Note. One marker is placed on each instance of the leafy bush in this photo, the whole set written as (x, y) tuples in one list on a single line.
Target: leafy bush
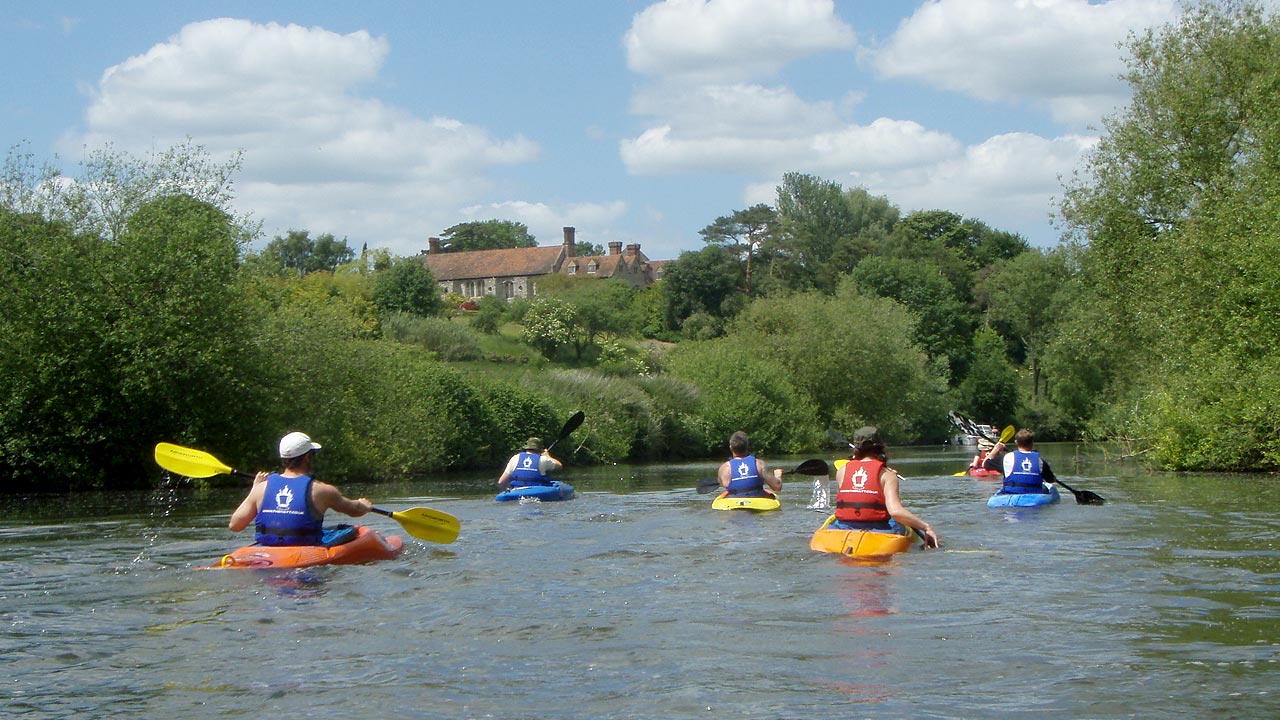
[(447, 339)]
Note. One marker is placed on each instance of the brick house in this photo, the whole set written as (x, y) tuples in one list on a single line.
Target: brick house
[(513, 273)]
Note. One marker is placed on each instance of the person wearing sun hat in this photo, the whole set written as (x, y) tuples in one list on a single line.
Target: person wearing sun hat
[(288, 508), (867, 492), (530, 466)]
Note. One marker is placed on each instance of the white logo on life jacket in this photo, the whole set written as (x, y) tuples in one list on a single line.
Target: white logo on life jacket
[(860, 478), (743, 470), (526, 462), (284, 498), (1026, 464)]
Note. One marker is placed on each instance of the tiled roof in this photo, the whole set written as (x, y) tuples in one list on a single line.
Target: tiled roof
[(517, 262)]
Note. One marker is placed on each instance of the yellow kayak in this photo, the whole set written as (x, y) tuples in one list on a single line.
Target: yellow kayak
[(757, 504), (857, 543)]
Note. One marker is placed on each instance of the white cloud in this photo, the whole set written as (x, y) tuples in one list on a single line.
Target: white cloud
[(1006, 181), (729, 40), (318, 155), (1062, 54)]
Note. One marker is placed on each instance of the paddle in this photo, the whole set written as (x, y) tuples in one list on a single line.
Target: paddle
[(815, 466), (420, 522), (1083, 497), (569, 426)]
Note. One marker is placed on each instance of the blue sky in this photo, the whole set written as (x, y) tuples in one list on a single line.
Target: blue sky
[(640, 122)]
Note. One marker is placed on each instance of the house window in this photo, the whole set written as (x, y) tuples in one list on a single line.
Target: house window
[(573, 270), (591, 269)]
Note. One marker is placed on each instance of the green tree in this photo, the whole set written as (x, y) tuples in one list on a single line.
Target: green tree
[(408, 286), (487, 235), (826, 231), (110, 347), (707, 281), (990, 390), (1022, 296), (298, 254), (743, 233), (854, 358), (946, 322), (1176, 205)]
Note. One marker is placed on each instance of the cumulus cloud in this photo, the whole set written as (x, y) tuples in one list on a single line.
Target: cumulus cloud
[(726, 40), (318, 155), (1062, 54), (1007, 181), (709, 114)]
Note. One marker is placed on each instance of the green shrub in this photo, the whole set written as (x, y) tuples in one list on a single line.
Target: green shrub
[(447, 339)]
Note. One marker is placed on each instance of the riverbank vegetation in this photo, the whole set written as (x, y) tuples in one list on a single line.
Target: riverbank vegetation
[(136, 312)]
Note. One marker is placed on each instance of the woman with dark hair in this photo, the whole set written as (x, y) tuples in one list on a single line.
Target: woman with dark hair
[(867, 492)]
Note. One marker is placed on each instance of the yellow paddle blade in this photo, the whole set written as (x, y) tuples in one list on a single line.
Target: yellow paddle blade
[(1007, 433), (189, 462), (428, 524)]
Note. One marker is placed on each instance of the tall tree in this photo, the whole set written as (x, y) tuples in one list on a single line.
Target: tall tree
[(743, 232), (297, 253), (826, 231), (1177, 206), (708, 281), (487, 235)]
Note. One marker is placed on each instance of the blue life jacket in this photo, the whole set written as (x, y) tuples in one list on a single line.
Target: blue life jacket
[(744, 477), (286, 516), (1024, 475), (528, 471)]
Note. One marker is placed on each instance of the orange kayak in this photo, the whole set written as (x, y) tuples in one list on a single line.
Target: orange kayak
[(857, 543), (368, 545)]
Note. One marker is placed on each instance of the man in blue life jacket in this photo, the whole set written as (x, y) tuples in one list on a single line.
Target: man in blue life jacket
[(744, 475), (1024, 470), (288, 508), (529, 466)]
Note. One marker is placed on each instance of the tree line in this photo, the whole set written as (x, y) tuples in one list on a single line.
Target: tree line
[(136, 312)]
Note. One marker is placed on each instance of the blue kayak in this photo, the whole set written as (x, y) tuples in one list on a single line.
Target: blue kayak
[(1003, 499), (546, 493)]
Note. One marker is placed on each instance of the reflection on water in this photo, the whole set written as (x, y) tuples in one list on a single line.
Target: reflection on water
[(636, 600)]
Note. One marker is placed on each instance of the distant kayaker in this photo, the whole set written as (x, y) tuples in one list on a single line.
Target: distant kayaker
[(984, 452), (1024, 470), (867, 491), (745, 475), (288, 508), (529, 466)]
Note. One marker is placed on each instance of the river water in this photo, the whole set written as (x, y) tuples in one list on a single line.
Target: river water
[(636, 600)]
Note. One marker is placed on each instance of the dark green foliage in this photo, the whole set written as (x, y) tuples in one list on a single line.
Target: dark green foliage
[(741, 391), (487, 235), (298, 254), (1179, 277), (709, 281), (853, 358), (488, 316), (109, 347), (407, 286), (990, 390)]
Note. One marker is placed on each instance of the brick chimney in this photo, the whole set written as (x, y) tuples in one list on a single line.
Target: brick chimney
[(615, 248), (632, 250), (433, 245), (570, 245)]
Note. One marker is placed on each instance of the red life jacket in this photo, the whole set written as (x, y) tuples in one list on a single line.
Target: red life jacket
[(859, 497)]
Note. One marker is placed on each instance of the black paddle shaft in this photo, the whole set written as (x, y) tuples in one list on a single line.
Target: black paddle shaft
[(569, 426)]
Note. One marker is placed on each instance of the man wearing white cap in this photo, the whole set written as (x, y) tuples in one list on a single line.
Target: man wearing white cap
[(288, 507)]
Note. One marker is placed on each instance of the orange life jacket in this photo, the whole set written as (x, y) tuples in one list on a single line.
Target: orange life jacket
[(859, 497)]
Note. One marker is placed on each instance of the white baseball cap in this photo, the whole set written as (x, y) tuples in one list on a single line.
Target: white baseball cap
[(295, 444)]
